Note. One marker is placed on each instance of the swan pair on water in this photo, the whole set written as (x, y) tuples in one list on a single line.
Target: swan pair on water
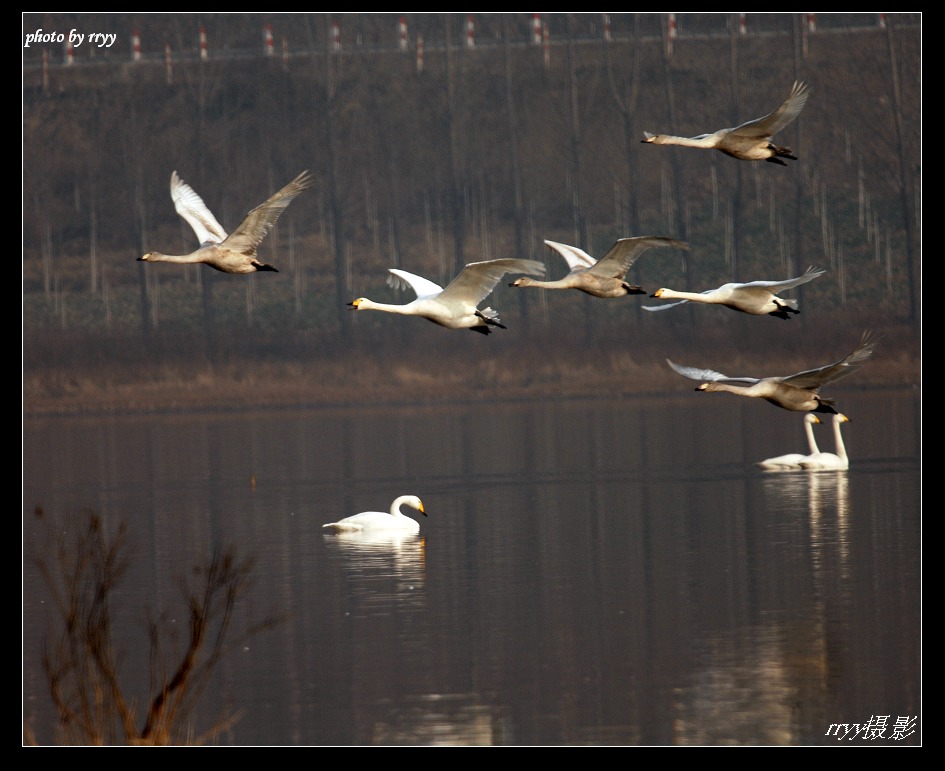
[(815, 460)]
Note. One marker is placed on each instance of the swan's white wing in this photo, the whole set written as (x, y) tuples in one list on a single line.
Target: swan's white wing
[(790, 283), (191, 207), (771, 124), (664, 307), (694, 373), (401, 279), (625, 252), (478, 279), (831, 373), (577, 259), (259, 221)]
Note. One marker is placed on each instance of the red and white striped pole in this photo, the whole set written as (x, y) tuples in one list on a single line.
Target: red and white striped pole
[(671, 34), (402, 32), (204, 54), (607, 33), (742, 24), (267, 40), (470, 32), (335, 36), (70, 54), (812, 22), (419, 53), (135, 46), (882, 21), (169, 68), (536, 29)]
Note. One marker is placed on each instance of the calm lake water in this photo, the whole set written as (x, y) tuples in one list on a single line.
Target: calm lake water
[(590, 573)]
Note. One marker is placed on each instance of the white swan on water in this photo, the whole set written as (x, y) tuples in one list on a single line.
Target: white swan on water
[(750, 141), (792, 460), (379, 521), (830, 460), (234, 252)]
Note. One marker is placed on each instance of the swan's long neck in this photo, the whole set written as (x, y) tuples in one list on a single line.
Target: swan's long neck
[(838, 438), (370, 305), (672, 294), (811, 442), (181, 258), (709, 140), (395, 506), (561, 283)]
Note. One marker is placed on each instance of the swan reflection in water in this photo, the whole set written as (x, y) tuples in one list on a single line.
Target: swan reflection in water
[(752, 680), (381, 567)]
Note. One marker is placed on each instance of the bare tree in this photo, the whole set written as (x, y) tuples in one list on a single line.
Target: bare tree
[(83, 566)]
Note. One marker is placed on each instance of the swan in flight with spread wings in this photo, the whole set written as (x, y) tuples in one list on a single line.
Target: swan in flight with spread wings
[(792, 460), (454, 307), (605, 277), (376, 521), (236, 252), (799, 392), (838, 461), (758, 298), (750, 141)]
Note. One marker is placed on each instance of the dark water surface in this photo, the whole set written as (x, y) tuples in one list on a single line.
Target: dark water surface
[(589, 572)]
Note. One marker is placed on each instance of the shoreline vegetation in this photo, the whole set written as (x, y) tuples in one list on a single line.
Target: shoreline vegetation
[(446, 368)]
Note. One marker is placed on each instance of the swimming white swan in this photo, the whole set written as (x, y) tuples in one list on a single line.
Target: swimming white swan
[(798, 392), (236, 252), (374, 521), (829, 460), (750, 141), (758, 298), (605, 277), (455, 306), (792, 460)]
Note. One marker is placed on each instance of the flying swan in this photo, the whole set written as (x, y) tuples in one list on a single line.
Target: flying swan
[(606, 277), (750, 141), (798, 392), (236, 252), (758, 298), (456, 306), (839, 461), (375, 521), (792, 460)]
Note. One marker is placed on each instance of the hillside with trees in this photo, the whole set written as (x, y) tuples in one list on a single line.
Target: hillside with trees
[(454, 139)]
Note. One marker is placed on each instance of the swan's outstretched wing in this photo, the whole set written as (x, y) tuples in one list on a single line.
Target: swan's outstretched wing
[(401, 279), (577, 259), (789, 283), (478, 279), (664, 307), (706, 375), (191, 207), (831, 373), (259, 221), (624, 253), (771, 124)]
